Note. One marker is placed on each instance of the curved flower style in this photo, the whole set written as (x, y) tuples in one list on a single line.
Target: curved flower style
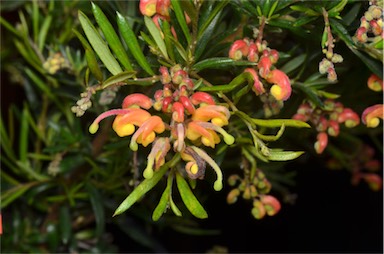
[(371, 115), (238, 49), (257, 85), (132, 115), (281, 89)]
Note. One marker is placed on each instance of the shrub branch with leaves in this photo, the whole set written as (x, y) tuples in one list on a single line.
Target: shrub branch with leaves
[(199, 91)]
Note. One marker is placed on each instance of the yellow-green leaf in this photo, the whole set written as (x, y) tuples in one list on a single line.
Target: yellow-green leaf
[(272, 123), (111, 37), (118, 78), (189, 199), (99, 45)]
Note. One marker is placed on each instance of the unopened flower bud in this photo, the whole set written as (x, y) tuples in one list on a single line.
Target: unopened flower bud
[(321, 143), (232, 196)]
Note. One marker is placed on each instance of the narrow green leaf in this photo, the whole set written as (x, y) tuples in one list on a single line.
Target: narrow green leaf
[(168, 36), (35, 20), (311, 93), (206, 37), (220, 63), (145, 186), (10, 27), (219, 7), (304, 9), (294, 63), (271, 137), (338, 8), (266, 7), (23, 142), (6, 142), (179, 48), (90, 57), (161, 206), (273, 123), (273, 8), (93, 65), (99, 45), (174, 208), (156, 35), (10, 195), (43, 86), (118, 78), (44, 31), (132, 43), (240, 79), (97, 207), (190, 9), (275, 155), (111, 37), (189, 198), (181, 19), (65, 225)]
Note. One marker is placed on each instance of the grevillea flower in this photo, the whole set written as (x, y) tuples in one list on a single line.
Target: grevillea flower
[(271, 204), (257, 85), (147, 132), (321, 143), (148, 7), (264, 66), (281, 89), (162, 7), (371, 115), (375, 83), (195, 166), (156, 157), (218, 115), (207, 133), (258, 210), (349, 117), (238, 49)]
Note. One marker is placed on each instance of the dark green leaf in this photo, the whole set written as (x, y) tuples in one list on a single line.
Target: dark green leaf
[(132, 43), (208, 22), (97, 207), (219, 63), (65, 225), (179, 12), (293, 64)]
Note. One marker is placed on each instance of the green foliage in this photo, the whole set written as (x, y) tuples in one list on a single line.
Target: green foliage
[(62, 186)]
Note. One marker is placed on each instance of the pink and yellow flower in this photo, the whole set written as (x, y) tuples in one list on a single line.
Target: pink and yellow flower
[(371, 115)]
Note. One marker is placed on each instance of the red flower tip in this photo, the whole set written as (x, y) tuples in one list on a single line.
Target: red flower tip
[(238, 49), (375, 83), (321, 143), (137, 99)]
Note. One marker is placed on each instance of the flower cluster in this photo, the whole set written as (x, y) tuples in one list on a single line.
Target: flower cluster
[(256, 189), (55, 62), (265, 58), (364, 167), (192, 118), (326, 65), (371, 25), (327, 121), (371, 115)]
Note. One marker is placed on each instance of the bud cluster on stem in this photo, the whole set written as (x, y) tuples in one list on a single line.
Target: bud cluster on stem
[(265, 58), (326, 120)]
